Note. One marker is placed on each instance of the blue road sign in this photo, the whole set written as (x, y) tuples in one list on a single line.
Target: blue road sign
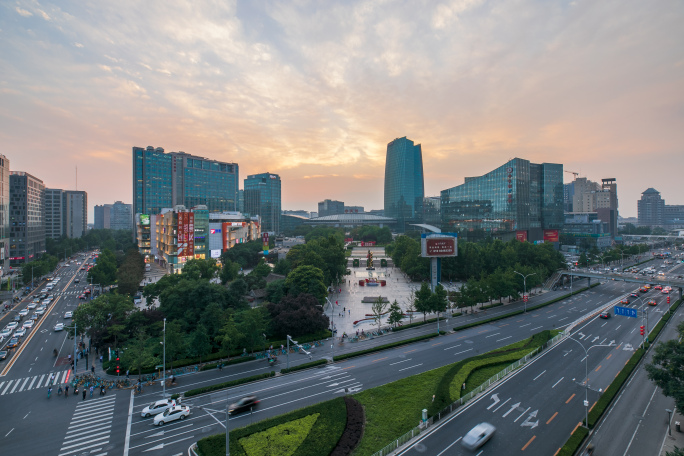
[(625, 312)]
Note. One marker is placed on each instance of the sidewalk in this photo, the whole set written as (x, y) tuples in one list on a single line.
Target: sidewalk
[(677, 438)]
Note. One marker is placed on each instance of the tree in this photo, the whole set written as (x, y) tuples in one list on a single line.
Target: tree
[(438, 299), (411, 304), (252, 324), (276, 290), (297, 316), (230, 336), (282, 267), (97, 317), (395, 315), (201, 269), (104, 272), (307, 279), (130, 273), (199, 344), (423, 300), (176, 346), (229, 271), (138, 355), (212, 319), (677, 452), (667, 368), (378, 309)]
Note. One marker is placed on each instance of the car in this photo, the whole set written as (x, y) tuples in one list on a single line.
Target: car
[(17, 318), (5, 333), (178, 412), (12, 325), (68, 314), (157, 407), (81, 296), (246, 403), (76, 280), (34, 316), (23, 312), (604, 315), (665, 291), (643, 290), (40, 311), (28, 324), (634, 295), (59, 327), (46, 302), (478, 436), (44, 290), (36, 300), (624, 301), (21, 332), (82, 268), (32, 305), (13, 342), (652, 302), (658, 287), (3, 354)]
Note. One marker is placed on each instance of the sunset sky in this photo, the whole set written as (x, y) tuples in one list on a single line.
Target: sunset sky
[(314, 90)]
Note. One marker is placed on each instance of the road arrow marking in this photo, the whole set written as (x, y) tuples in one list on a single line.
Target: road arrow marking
[(513, 407), (160, 433), (612, 342), (496, 399), (332, 384), (158, 447), (529, 423), (595, 339)]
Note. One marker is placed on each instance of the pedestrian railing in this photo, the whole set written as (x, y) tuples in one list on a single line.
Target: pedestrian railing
[(466, 398)]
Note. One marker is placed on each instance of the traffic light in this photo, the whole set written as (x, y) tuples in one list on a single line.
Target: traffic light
[(668, 299), (117, 362), (641, 330)]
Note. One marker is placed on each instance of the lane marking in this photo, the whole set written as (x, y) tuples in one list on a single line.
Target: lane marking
[(463, 351), (449, 348), (492, 335), (502, 404), (522, 326), (554, 385), (399, 362), (411, 367), (379, 359), (597, 369), (538, 327), (521, 415), (452, 444), (551, 419), (499, 340), (543, 372), (570, 398), (608, 357), (528, 443)]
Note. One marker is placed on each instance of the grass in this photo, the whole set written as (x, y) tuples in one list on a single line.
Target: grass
[(478, 376), (281, 440), (574, 442)]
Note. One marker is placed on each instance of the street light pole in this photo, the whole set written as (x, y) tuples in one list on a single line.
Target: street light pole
[(525, 287), (332, 314), (164, 371)]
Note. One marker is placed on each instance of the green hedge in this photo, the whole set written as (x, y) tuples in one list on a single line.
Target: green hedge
[(304, 366), (219, 386), (574, 442), (321, 440), (385, 347), (491, 306), (238, 360), (418, 323)]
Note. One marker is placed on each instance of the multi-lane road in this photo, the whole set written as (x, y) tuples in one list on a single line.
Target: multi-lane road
[(112, 424)]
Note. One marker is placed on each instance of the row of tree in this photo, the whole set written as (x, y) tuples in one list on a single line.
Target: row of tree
[(36, 269), (114, 240)]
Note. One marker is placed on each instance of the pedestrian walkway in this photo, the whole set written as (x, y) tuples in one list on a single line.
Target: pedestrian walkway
[(34, 382), (90, 428)]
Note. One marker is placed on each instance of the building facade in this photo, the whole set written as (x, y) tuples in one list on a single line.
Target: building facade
[(651, 208), (226, 229), (75, 213), (519, 199), (4, 214), (27, 218), (54, 213), (263, 198), (121, 216), (404, 185), (354, 210), (330, 207), (163, 180), (102, 217)]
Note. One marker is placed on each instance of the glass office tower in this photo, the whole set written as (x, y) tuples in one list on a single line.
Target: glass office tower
[(152, 180), (520, 198), (262, 198), (404, 188), (4, 213)]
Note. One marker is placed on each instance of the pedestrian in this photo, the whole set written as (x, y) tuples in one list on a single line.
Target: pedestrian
[(92, 368), (127, 373), (92, 388), (84, 393), (349, 312), (66, 390), (101, 359)]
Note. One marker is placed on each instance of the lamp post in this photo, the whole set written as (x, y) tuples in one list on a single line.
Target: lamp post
[(669, 419), (332, 346), (164, 362), (525, 287), (586, 377)]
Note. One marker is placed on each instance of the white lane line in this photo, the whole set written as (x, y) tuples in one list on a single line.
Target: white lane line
[(24, 384), (604, 324), (399, 362), (618, 327), (452, 444), (82, 448), (1, 383), (454, 346), (554, 385), (533, 329), (521, 415), (87, 428), (98, 412), (502, 404), (104, 432), (564, 318), (463, 351), (9, 432), (106, 417), (632, 331), (32, 382), (542, 373), (492, 335), (499, 340), (411, 367), (128, 426), (64, 377), (7, 387), (15, 385), (528, 324)]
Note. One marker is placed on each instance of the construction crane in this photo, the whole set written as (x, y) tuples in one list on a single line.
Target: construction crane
[(572, 172)]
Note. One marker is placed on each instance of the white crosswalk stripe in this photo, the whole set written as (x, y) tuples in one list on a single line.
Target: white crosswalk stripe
[(90, 427), (35, 382)]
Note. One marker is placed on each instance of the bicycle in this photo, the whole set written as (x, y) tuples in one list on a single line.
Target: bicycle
[(49, 391)]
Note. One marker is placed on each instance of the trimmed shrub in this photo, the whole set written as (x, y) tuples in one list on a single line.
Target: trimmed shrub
[(238, 360), (219, 386), (574, 442), (353, 431), (318, 362), (385, 347), (418, 323)]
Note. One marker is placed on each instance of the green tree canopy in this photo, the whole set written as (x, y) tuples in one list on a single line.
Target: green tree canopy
[(307, 279), (667, 368)]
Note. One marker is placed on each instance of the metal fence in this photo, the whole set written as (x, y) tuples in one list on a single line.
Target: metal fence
[(464, 399)]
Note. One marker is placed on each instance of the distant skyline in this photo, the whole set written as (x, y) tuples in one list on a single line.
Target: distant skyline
[(314, 91)]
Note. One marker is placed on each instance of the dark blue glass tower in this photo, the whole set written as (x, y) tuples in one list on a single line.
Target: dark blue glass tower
[(262, 198), (404, 188)]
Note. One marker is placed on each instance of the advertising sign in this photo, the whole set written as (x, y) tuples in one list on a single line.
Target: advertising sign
[(216, 254), (145, 219), (215, 230), (264, 237), (435, 246), (551, 235), (182, 234), (190, 217), (521, 235)]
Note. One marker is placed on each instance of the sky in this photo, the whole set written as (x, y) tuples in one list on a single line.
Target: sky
[(314, 90)]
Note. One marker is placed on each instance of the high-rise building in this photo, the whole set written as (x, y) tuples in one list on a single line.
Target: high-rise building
[(75, 213), (103, 216), (117, 216), (163, 180), (27, 217), (651, 208), (4, 214), (404, 186), (262, 198), (519, 199), (54, 213), (330, 207), (607, 205)]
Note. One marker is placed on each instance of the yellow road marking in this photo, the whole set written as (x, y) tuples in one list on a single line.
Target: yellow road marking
[(551, 419), (570, 398), (380, 359), (528, 442), (597, 369)]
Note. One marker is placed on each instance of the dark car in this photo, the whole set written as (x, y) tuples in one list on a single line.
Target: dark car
[(624, 301), (13, 342), (634, 295), (652, 302), (3, 354), (605, 315), (244, 404)]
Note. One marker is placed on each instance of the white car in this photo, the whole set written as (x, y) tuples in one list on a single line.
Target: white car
[(478, 436), (28, 324), (12, 325), (5, 333), (179, 412), (59, 327), (68, 314), (44, 290), (33, 305), (21, 332), (46, 302), (23, 312), (157, 407), (40, 311)]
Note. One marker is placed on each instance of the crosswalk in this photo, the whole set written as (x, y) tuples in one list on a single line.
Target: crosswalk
[(34, 382), (90, 428)]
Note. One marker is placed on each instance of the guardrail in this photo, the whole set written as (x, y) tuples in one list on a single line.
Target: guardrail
[(401, 440)]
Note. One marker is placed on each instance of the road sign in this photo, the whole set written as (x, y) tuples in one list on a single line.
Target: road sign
[(625, 312)]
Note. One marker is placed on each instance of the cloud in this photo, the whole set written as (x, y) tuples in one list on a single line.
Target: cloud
[(23, 12)]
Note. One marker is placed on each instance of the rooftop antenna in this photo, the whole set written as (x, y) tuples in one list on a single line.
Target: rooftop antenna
[(76, 177)]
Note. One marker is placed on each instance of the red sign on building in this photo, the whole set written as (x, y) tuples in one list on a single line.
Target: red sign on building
[(550, 235), (437, 247), (521, 235)]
